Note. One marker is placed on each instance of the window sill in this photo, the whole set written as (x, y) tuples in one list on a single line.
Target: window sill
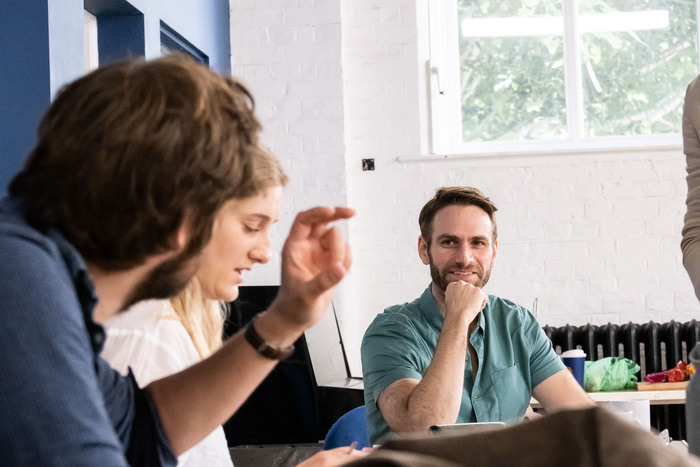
[(637, 151)]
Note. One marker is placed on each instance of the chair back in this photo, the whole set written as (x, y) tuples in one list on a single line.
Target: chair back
[(350, 427)]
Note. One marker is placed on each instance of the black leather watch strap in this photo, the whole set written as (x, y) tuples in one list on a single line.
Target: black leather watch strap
[(265, 349)]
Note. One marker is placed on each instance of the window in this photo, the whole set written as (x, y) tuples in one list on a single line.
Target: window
[(171, 41), (114, 31), (90, 49), (559, 74)]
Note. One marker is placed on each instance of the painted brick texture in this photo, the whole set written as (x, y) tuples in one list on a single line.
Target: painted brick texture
[(594, 237)]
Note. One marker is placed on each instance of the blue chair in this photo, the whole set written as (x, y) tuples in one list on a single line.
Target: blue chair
[(350, 427)]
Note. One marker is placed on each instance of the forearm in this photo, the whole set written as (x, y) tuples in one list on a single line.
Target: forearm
[(436, 399), (561, 391), (192, 403)]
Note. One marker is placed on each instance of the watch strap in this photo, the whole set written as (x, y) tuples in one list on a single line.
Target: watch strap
[(265, 349)]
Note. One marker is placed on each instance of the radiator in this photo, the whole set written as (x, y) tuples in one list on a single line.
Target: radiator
[(653, 346)]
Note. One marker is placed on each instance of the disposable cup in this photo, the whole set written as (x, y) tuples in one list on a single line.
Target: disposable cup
[(575, 361)]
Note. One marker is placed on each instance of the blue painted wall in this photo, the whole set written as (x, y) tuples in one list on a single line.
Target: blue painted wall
[(41, 49)]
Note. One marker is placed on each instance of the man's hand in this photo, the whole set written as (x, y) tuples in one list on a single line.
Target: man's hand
[(314, 259), (464, 300)]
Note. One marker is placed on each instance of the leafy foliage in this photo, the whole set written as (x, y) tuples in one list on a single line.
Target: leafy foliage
[(513, 87)]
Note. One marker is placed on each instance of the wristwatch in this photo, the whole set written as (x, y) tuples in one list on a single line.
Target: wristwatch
[(265, 349)]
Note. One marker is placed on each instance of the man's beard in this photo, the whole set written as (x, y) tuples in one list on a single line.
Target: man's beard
[(440, 276), (167, 279)]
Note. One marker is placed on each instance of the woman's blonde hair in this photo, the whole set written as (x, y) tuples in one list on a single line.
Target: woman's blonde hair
[(202, 317)]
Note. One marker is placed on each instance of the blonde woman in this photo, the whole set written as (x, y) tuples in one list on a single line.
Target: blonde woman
[(156, 338)]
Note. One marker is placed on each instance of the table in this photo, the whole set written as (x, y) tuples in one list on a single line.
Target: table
[(654, 397)]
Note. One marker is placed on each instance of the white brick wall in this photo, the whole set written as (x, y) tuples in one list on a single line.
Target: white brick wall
[(594, 237), (289, 54)]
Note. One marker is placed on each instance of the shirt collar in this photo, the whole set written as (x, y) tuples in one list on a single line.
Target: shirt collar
[(84, 287), (430, 309), (77, 269)]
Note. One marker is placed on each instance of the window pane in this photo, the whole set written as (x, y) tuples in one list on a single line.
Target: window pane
[(512, 70), (637, 57)]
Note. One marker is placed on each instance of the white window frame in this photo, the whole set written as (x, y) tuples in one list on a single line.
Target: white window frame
[(445, 112), (90, 46)]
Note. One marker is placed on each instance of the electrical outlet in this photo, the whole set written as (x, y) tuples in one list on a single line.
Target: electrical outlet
[(367, 164)]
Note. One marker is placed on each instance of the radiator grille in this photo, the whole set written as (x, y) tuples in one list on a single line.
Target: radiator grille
[(653, 346)]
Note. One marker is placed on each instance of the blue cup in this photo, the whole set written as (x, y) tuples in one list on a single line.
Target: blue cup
[(575, 361)]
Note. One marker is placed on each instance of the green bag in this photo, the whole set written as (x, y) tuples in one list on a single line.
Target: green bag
[(610, 374)]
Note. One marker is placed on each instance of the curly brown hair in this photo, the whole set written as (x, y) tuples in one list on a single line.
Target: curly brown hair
[(127, 152)]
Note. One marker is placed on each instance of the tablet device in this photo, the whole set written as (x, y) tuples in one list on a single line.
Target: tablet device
[(465, 428)]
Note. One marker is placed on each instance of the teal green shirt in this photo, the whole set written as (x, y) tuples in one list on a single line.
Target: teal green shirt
[(514, 354)]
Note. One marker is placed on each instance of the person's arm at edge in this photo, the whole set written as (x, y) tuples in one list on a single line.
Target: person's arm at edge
[(412, 405), (195, 401), (690, 243)]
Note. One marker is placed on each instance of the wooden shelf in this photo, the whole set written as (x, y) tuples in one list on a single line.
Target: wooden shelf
[(662, 386), (673, 396)]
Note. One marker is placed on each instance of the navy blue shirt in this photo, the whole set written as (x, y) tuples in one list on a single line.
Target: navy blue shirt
[(60, 403)]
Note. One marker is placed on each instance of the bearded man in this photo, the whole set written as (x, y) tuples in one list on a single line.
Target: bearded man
[(456, 354)]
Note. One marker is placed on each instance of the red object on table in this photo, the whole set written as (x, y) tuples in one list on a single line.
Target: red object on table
[(675, 375), (656, 377)]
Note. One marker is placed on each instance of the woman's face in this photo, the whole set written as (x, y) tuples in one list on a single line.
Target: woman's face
[(240, 238)]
